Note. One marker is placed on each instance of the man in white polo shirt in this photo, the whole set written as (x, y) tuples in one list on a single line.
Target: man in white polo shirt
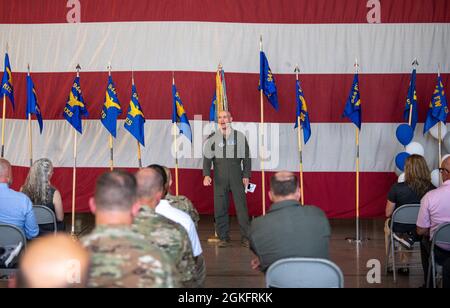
[(165, 209)]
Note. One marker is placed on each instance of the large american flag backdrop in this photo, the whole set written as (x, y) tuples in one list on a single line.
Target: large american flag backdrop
[(190, 37)]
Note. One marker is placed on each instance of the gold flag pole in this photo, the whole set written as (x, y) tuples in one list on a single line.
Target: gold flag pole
[(175, 147), (139, 154), (358, 240), (4, 119), (30, 133), (74, 175), (3, 125), (138, 144), (74, 180), (440, 135), (261, 128), (300, 145), (220, 98), (111, 142)]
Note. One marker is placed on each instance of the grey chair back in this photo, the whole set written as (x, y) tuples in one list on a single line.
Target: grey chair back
[(405, 214), (441, 236), (44, 215), (11, 235), (304, 273)]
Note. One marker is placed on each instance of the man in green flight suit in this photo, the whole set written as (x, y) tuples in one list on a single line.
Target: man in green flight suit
[(228, 151)]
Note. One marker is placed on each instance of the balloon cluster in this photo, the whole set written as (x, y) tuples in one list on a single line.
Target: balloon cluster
[(405, 135)]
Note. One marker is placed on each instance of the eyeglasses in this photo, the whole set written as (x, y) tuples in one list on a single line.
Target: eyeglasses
[(441, 170)]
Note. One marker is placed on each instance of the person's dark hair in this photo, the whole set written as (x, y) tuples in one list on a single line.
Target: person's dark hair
[(149, 184), (115, 190), (285, 186), (162, 172)]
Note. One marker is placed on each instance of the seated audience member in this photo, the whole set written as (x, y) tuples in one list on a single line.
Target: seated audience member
[(165, 209), (41, 192), (162, 232), (434, 211), (417, 184), (15, 207), (54, 262), (288, 230), (181, 202), (119, 256)]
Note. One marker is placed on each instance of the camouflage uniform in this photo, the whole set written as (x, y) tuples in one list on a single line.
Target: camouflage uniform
[(184, 204), (170, 237), (120, 258)]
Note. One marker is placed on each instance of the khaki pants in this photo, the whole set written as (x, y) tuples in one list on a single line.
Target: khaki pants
[(404, 257)]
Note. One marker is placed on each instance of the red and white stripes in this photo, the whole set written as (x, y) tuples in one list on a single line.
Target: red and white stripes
[(154, 38)]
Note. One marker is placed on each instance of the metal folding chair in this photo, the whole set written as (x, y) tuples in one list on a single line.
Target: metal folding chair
[(304, 273), (405, 214)]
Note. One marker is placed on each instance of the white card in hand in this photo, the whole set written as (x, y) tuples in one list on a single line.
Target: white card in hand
[(250, 188)]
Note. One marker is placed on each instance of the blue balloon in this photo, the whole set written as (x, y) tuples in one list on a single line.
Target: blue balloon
[(405, 134), (400, 160)]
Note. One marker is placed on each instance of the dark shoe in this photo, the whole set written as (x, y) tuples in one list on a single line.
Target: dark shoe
[(245, 243), (224, 243), (404, 271), (404, 239)]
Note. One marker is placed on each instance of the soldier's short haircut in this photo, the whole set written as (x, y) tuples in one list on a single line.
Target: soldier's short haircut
[(162, 172), (115, 190), (5, 167), (284, 185), (150, 182)]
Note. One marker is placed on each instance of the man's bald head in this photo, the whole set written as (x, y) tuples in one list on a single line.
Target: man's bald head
[(55, 262), (446, 171), (225, 113), (150, 184), (224, 120), (5, 171), (284, 186)]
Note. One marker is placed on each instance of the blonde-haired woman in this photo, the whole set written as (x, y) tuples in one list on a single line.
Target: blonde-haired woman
[(41, 192), (417, 184)]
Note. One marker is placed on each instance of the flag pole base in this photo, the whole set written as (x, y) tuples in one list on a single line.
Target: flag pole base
[(213, 239), (74, 237), (354, 240)]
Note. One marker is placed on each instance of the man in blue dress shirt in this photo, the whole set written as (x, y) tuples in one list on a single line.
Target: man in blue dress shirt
[(15, 208)]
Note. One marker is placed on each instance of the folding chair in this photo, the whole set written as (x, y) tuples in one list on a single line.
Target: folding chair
[(405, 214), (304, 273), (441, 236), (11, 235), (44, 216)]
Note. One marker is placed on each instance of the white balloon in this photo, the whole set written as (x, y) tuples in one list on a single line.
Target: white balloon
[(401, 178), (436, 178), (415, 148), (398, 172), (434, 131), (446, 142)]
